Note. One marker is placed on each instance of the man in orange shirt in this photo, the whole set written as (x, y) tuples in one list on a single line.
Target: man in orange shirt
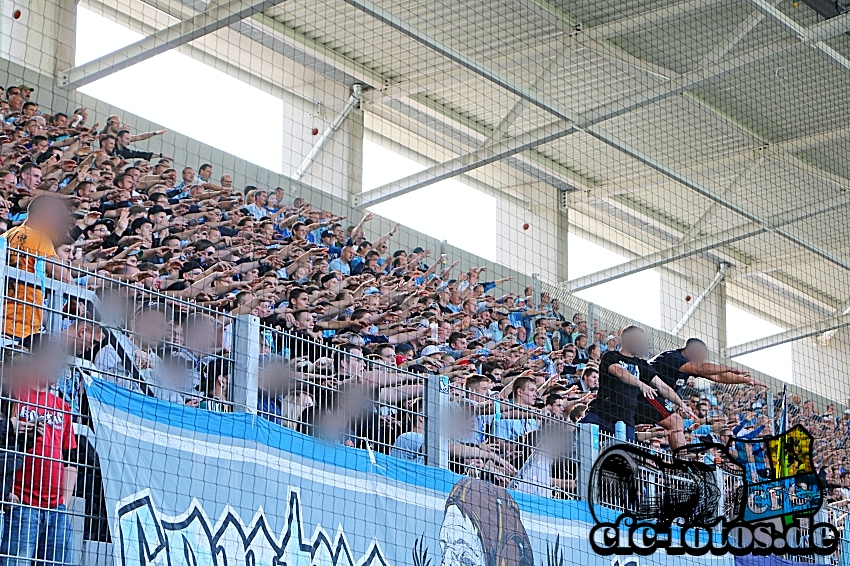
[(47, 221)]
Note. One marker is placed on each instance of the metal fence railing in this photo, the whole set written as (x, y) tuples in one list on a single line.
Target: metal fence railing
[(180, 347)]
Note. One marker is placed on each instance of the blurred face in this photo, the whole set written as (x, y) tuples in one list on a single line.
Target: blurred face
[(202, 338), (152, 328), (697, 353), (443, 331), (591, 380), (635, 342)]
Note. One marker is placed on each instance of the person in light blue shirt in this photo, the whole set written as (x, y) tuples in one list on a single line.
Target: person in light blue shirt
[(408, 446), (523, 395), (360, 256), (700, 426), (342, 263), (258, 208), (182, 188)]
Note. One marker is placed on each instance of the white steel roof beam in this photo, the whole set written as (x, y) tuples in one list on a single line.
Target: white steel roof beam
[(643, 20), (374, 10), (715, 197), (814, 35), (465, 163), (805, 331), (501, 130), (587, 122), (663, 257), (733, 186), (690, 248), (164, 40)]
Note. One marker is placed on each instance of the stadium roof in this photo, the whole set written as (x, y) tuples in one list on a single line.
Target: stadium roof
[(701, 129)]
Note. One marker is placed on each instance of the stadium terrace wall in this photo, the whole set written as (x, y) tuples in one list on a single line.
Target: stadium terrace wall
[(187, 151)]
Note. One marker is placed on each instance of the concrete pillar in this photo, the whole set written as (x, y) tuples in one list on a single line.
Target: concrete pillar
[(562, 230), (822, 366), (43, 38), (339, 166), (709, 320), (541, 247), (355, 133)]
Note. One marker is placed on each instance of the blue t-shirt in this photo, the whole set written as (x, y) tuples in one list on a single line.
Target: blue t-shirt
[(339, 265), (408, 446), (512, 429)]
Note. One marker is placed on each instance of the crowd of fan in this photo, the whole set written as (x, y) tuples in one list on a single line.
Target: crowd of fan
[(352, 326)]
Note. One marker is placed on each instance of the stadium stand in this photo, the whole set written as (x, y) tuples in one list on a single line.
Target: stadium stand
[(127, 264)]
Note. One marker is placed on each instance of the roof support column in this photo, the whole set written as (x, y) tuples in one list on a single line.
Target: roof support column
[(353, 102), (694, 306), (718, 279), (43, 38)]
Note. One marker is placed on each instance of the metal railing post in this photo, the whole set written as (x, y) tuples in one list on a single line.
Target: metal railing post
[(822, 516), (436, 420), (53, 321), (591, 316), (246, 360), (769, 401), (4, 268), (587, 447), (721, 504)]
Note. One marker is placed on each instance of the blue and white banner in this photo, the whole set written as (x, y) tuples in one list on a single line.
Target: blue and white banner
[(196, 488)]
